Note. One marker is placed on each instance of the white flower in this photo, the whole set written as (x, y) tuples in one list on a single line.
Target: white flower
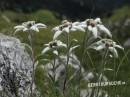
[(54, 46), (81, 26), (96, 27), (57, 31), (67, 27), (29, 26), (108, 44)]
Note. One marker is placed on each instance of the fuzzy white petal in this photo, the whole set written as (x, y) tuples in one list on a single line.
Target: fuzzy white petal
[(19, 27), (55, 52), (98, 20), (90, 28), (118, 46), (55, 29), (57, 34), (34, 28), (73, 48), (66, 29), (73, 29), (102, 28), (114, 51), (99, 42), (95, 32), (75, 23), (100, 47), (45, 50), (17, 30), (83, 24), (25, 29), (40, 25), (79, 24), (80, 28), (61, 44), (64, 45), (46, 44)]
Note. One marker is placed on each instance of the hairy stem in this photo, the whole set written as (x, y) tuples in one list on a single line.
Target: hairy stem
[(67, 62), (33, 61)]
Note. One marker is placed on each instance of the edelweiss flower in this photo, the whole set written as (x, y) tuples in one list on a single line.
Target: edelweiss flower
[(107, 44), (53, 45), (67, 27), (29, 26), (96, 26), (81, 26)]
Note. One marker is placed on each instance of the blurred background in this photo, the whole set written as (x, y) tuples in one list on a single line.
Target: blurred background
[(74, 9), (115, 15)]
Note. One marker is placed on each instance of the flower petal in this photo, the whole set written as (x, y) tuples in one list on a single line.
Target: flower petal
[(55, 29), (90, 28), (19, 27), (34, 28), (99, 42), (98, 20), (83, 24), (102, 28), (118, 46), (17, 30), (66, 29), (25, 29), (95, 32), (73, 29), (75, 23), (45, 50), (100, 47), (114, 51), (73, 48), (61, 44), (79, 28), (55, 52), (46, 44), (57, 34), (79, 24), (40, 25)]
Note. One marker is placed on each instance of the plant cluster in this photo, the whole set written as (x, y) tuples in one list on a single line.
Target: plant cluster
[(64, 66)]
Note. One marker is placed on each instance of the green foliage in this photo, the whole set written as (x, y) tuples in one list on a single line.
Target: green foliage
[(120, 14), (44, 16)]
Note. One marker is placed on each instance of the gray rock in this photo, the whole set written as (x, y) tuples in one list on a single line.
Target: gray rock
[(15, 68)]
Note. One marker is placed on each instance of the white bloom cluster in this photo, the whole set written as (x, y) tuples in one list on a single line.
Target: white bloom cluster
[(29, 26), (95, 28), (107, 44), (54, 46), (93, 25), (67, 27)]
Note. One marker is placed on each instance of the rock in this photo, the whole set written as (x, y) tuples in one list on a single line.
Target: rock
[(15, 68)]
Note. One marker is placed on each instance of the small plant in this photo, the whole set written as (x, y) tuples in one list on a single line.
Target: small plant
[(30, 27)]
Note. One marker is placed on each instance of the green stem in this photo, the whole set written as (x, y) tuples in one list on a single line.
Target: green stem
[(33, 61), (67, 62), (102, 72), (82, 59)]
